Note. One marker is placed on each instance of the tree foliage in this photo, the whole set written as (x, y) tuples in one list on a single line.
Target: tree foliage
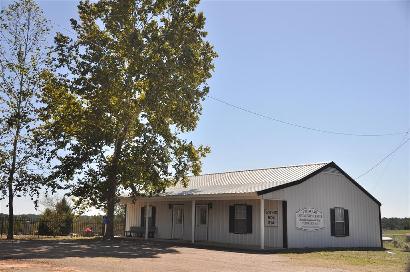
[(395, 223), (57, 220), (23, 29), (122, 94)]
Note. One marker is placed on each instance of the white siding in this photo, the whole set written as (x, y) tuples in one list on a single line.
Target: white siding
[(218, 224), (324, 191)]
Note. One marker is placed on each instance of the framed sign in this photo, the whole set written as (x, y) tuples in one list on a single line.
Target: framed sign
[(271, 218), (309, 219)]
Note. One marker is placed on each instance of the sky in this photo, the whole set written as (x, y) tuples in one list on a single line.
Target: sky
[(333, 65)]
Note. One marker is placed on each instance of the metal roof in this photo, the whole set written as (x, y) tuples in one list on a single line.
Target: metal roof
[(245, 181)]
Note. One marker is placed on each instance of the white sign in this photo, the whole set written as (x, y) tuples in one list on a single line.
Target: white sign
[(271, 218), (309, 219)]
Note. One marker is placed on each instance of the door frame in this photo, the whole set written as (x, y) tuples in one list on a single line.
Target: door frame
[(172, 220), (207, 219)]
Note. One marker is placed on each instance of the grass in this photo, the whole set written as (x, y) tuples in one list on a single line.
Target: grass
[(41, 237), (390, 259), (395, 256), (395, 232)]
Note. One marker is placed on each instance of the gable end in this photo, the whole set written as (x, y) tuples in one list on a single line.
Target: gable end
[(331, 164)]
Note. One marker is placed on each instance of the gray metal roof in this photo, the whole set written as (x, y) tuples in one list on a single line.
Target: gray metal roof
[(245, 181)]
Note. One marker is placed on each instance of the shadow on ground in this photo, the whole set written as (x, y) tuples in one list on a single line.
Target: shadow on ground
[(122, 248), (255, 250), (56, 249)]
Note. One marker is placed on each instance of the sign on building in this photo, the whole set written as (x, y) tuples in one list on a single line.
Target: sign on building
[(271, 218), (309, 219)]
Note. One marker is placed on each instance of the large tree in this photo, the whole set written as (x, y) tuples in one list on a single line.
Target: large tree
[(123, 93), (23, 30)]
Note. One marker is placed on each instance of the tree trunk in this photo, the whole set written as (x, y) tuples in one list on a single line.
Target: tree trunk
[(10, 230), (111, 192), (113, 182), (109, 234)]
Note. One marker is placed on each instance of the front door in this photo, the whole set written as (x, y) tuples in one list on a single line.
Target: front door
[(178, 222), (201, 223)]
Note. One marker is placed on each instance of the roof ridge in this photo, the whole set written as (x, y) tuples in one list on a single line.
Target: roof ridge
[(267, 168)]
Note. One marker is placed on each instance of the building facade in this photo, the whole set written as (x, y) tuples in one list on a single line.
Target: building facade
[(303, 206)]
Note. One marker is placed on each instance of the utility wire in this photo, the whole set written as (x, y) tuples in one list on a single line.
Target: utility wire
[(282, 121), (302, 126), (384, 158)]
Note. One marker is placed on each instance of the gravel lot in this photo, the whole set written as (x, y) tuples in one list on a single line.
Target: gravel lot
[(138, 255)]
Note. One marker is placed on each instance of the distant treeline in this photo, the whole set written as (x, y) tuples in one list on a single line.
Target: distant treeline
[(81, 218), (395, 223)]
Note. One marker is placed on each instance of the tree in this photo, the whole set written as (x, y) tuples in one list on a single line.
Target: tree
[(122, 95), (57, 218), (23, 30), (64, 216)]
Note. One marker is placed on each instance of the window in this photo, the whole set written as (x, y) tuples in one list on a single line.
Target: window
[(339, 220), (179, 216), (151, 216), (201, 215), (240, 219)]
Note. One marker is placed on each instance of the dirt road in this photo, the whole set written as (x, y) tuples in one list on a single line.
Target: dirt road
[(137, 255)]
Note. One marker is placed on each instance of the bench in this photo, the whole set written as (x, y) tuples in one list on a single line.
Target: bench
[(136, 231)]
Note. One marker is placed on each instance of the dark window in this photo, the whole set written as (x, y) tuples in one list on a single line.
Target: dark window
[(240, 219), (339, 220), (151, 216)]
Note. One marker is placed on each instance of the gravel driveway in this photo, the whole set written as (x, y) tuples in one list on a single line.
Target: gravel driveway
[(138, 255)]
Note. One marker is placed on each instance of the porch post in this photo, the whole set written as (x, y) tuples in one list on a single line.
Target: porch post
[(146, 220), (262, 222), (193, 222)]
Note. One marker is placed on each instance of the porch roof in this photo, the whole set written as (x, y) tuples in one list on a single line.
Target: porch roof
[(245, 181)]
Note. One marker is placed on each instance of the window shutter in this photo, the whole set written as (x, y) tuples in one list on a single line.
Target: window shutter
[(249, 219), (231, 219), (332, 222), (346, 217), (142, 216), (154, 210)]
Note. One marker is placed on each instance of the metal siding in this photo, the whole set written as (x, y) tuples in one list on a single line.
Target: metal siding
[(324, 191), (132, 217), (273, 235), (218, 222)]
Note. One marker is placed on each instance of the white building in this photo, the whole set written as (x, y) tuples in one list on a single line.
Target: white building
[(312, 206)]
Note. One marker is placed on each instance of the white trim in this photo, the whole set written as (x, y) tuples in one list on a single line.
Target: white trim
[(193, 222), (262, 223)]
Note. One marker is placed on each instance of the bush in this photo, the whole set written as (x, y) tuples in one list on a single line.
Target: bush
[(57, 220), (44, 229)]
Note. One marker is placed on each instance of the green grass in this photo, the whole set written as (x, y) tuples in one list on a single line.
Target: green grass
[(391, 259), (395, 232), (395, 257)]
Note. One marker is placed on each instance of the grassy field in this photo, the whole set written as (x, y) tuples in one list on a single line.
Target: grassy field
[(395, 232), (395, 257)]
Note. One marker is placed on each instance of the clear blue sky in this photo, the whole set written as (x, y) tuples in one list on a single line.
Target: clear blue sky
[(337, 65)]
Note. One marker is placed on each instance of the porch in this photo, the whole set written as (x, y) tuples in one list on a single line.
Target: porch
[(247, 221)]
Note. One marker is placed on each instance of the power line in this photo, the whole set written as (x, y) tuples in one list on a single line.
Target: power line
[(384, 158), (325, 131), (302, 126)]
